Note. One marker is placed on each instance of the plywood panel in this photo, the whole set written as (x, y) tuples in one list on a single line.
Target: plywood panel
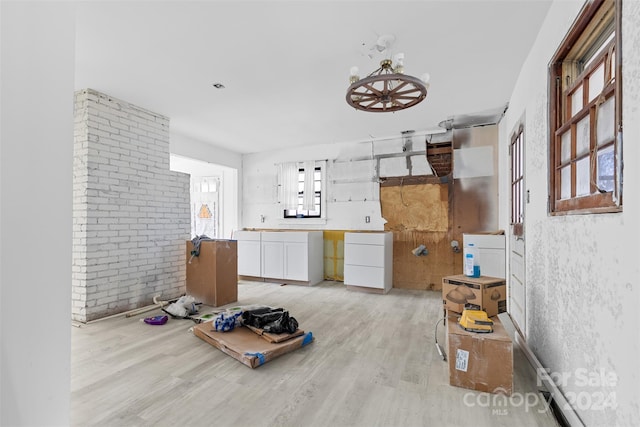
[(423, 207), (421, 272), (419, 215)]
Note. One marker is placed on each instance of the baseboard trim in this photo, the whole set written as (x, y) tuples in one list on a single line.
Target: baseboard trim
[(569, 415)]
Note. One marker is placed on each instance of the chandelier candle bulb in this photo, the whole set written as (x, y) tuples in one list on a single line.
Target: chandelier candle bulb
[(353, 75)]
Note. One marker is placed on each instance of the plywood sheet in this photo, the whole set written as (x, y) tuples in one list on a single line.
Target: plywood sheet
[(423, 207), (419, 215), (421, 272)]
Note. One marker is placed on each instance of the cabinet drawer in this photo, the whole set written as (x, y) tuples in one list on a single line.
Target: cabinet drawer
[(248, 235), (365, 238), (285, 236), (358, 275), (367, 255)]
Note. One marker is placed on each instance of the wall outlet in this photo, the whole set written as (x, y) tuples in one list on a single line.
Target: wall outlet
[(367, 219)]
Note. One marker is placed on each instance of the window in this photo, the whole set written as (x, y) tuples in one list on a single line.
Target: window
[(584, 114), (516, 149), (301, 212)]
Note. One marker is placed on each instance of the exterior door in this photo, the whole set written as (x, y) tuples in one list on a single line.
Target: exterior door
[(517, 278)]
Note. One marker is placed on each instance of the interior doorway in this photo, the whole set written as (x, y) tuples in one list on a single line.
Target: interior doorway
[(213, 197)]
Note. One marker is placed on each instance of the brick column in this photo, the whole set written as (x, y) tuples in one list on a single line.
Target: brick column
[(131, 214)]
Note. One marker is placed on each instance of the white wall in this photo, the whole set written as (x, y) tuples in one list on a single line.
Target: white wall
[(185, 146), (582, 270), (36, 200), (349, 184)]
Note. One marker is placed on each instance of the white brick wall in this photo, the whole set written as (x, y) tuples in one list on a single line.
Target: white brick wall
[(131, 213)]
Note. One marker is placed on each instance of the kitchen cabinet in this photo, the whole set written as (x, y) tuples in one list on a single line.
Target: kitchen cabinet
[(286, 256), (249, 253), (272, 249), (368, 260), (491, 253)]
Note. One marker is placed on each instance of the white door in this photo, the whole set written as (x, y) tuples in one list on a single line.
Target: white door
[(517, 280)]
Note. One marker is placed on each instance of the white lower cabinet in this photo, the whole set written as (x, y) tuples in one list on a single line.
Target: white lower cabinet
[(272, 260), (286, 255), (296, 261), (368, 260), (249, 253)]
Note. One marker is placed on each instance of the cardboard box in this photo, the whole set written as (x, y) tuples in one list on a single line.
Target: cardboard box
[(212, 277), (248, 347), (480, 361), (479, 293)]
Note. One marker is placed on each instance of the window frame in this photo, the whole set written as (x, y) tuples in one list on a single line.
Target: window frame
[(317, 194), (516, 153), (562, 119)]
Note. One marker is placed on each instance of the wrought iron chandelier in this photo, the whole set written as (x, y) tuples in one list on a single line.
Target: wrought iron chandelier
[(387, 88)]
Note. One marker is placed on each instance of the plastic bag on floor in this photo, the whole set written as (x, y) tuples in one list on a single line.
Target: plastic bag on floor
[(227, 321), (273, 320), (183, 307)]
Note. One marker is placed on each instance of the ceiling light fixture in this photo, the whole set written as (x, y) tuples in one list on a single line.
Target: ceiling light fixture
[(387, 88)]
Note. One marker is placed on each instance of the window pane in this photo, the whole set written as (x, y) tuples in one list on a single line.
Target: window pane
[(605, 169), (613, 66), (317, 186), (605, 121), (600, 49), (565, 153), (520, 157), (576, 100), (565, 182), (514, 159), (582, 178), (582, 136), (596, 82)]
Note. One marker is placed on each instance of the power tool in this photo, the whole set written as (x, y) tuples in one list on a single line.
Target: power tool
[(475, 321)]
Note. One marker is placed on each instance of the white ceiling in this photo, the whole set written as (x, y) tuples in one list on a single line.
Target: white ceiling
[(285, 64)]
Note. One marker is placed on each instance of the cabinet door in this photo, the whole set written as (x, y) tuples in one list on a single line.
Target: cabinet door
[(249, 258), (272, 260), (296, 261)]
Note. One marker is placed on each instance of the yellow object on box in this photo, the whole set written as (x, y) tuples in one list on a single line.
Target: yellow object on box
[(475, 321)]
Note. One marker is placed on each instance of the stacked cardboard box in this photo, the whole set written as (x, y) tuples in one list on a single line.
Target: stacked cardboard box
[(478, 293), (480, 361)]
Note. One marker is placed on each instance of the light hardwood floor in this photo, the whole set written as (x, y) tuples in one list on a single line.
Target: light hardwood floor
[(373, 363)]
